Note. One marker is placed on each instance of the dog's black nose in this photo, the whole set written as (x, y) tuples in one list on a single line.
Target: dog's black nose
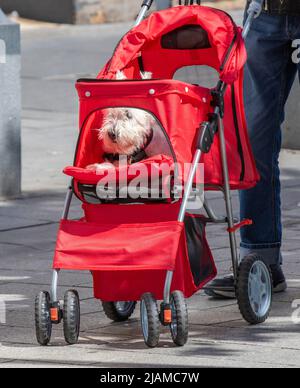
[(112, 135)]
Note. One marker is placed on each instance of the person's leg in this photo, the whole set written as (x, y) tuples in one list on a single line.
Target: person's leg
[(263, 203), (269, 75)]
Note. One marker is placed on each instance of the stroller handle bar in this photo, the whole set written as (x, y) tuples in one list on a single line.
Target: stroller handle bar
[(254, 10), (146, 5)]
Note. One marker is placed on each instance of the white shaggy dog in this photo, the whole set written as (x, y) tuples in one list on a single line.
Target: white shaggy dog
[(126, 131), (129, 133)]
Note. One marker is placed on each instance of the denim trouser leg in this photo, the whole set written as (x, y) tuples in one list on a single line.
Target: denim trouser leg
[(269, 76)]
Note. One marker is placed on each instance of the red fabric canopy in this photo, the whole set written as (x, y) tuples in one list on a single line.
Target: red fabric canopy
[(180, 108), (227, 53)]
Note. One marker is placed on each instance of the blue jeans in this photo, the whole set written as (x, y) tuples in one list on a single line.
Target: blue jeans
[(269, 75)]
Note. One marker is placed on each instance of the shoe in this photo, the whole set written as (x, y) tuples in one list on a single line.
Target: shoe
[(223, 288), (279, 282)]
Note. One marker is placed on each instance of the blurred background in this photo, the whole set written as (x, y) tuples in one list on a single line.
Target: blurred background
[(91, 11)]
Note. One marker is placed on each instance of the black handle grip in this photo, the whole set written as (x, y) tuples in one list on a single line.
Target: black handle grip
[(147, 3), (189, 2), (207, 132)]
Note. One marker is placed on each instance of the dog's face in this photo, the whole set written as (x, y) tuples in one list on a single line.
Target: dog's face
[(125, 131)]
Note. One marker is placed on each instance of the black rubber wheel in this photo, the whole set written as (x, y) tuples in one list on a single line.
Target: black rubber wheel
[(71, 316), (150, 320), (118, 311), (254, 289), (43, 324), (180, 326)]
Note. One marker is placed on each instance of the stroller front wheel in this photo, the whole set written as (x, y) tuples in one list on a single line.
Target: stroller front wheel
[(118, 311), (254, 290), (179, 326), (43, 324), (71, 315), (150, 320)]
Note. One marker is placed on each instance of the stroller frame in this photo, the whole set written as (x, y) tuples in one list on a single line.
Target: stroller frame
[(211, 127), (254, 11)]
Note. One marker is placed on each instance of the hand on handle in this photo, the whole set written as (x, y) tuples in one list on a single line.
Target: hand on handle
[(255, 7), (254, 10)]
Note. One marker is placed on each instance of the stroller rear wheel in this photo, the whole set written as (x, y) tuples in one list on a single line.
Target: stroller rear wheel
[(179, 326), (118, 311), (43, 324), (150, 320), (71, 314), (254, 289)]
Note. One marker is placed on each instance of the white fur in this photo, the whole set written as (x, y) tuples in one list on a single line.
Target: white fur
[(144, 75), (100, 167), (130, 129), (125, 130), (120, 75)]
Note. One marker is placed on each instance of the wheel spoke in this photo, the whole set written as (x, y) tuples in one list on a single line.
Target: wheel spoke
[(259, 288), (254, 289), (259, 273), (251, 278), (264, 289), (119, 311)]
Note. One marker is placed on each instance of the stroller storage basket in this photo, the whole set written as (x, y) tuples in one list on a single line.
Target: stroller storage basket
[(194, 268), (129, 256), (91, 246)]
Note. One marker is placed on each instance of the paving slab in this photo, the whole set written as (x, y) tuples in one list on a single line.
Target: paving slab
[(218, 335), (34, 209)]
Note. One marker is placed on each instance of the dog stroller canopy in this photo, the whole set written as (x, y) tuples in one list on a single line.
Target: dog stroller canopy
[(178, 37), (166, 41)]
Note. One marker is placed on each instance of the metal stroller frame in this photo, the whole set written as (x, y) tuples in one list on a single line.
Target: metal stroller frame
[(204, 145)]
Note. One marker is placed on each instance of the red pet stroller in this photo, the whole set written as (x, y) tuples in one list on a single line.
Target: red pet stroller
[(148, 249)]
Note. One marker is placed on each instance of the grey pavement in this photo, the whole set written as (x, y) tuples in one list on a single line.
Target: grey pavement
[(52, 59)]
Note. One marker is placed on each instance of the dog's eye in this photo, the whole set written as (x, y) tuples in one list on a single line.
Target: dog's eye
[(129, 114)]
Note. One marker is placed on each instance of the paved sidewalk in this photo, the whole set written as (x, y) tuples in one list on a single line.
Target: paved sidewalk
[(52, 60), (218, 335)]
